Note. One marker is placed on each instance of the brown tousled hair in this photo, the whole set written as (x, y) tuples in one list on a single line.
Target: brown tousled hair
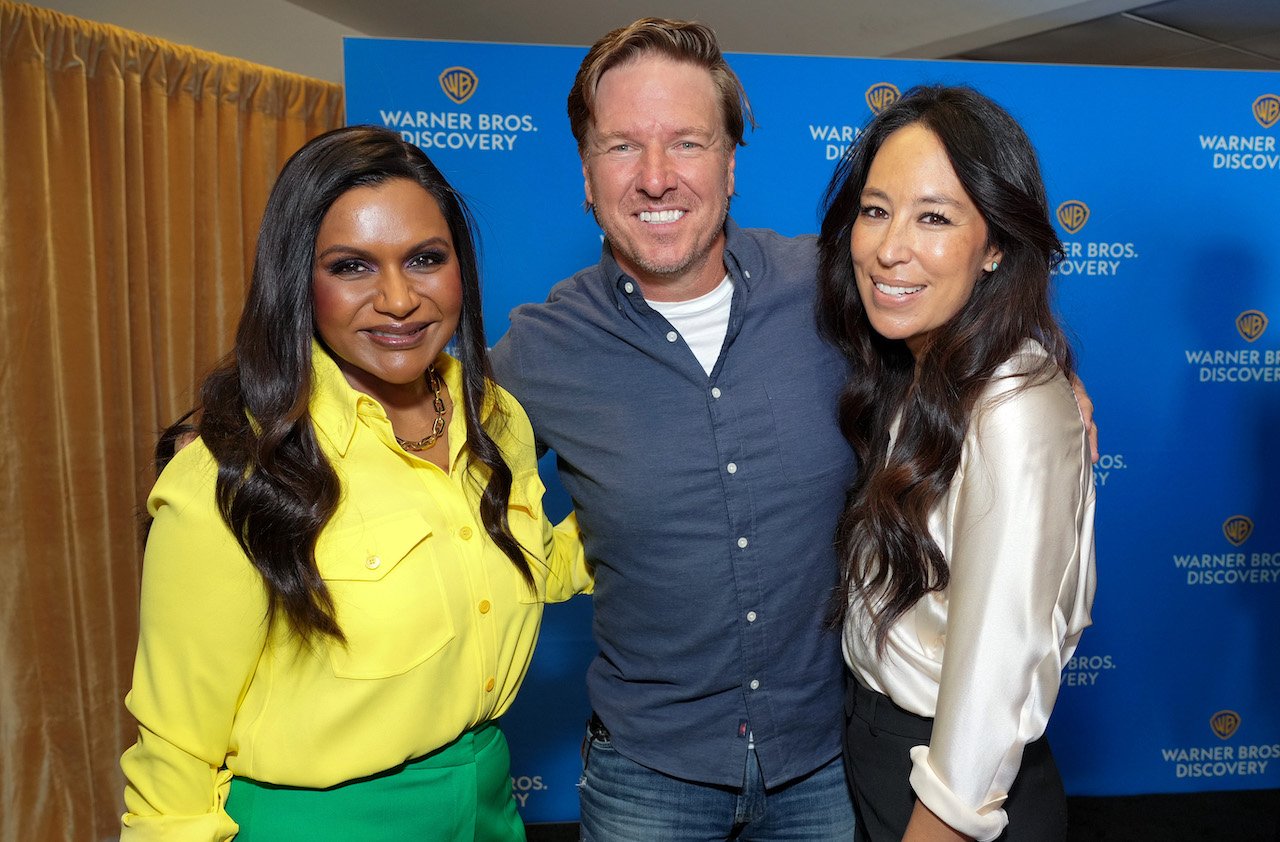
[(887, 554), (685, 41), (276, 490)]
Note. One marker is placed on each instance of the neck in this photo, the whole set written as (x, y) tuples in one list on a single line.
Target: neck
[(693, 281), (393, 396)]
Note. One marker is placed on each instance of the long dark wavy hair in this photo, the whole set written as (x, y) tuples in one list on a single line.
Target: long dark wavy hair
[(276, 489), (888, 557)]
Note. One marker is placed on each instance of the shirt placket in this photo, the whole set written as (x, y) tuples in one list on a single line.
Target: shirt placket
[(741, 478)]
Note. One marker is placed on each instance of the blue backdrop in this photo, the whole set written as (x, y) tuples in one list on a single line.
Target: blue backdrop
[(1163, 182)]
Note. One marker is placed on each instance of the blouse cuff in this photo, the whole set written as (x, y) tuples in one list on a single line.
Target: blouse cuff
[(210, 827), (983, 824), (214, 826)]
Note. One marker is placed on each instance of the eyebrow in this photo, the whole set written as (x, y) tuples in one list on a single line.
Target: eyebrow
[(873, 193), (684, 131), (338, 248)]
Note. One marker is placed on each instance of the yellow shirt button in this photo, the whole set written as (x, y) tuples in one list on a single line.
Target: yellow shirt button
[(465, 533), (488, 685), (484, 606), (373, 562)]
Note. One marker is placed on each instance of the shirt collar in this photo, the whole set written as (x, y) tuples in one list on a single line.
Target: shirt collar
[(742, 258), (336, 407)]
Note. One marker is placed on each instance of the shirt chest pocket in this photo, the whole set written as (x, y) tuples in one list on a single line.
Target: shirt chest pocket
[(387, 590), (810, 446)]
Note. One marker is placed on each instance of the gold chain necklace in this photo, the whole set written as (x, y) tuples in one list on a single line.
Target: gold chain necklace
[(437, 429)]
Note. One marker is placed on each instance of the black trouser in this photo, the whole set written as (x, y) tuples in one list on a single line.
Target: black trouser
[(878, 737)]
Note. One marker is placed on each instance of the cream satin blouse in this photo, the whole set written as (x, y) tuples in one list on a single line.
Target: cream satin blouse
[(985, 656)]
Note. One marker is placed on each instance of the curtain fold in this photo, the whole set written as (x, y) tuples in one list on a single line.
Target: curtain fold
[(133, 173)]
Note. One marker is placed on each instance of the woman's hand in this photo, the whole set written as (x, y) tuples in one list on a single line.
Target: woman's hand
[(926, 827)]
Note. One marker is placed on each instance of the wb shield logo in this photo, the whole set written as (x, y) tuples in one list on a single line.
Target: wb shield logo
[(1237, 529), (1251, 324), (1073, 214), (1224, 723), (458, 84), (881, 95), (1266, 109)]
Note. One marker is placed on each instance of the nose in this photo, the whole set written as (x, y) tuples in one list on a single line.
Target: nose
[(657, 175), (396, 294), (895, 242)]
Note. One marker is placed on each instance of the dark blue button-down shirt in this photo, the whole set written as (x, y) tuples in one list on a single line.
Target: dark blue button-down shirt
[(708, 506)]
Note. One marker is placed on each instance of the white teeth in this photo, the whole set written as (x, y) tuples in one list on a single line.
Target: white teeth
[(661, 216), (897, 292)]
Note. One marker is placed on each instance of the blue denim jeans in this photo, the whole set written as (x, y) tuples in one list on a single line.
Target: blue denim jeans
[(623, 801)]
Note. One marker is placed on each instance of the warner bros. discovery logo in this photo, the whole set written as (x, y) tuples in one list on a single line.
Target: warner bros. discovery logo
[(1072, 215), (1239, 365), (1237, 529), (1266, 110), (1231, 567), (1088, 257), (522, 786), (1083, 670), (1107, 465), (1224, 723), (1247, 151), (881, 95), (458, 83), (1221, 760), (458, 129), (836, 138), (1251, 324)]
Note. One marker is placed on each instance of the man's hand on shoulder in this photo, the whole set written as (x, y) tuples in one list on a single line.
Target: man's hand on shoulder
[(1085, 403)]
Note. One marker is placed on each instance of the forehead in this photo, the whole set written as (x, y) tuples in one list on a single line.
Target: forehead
[(398, 203), (654, 89), (913, 157)]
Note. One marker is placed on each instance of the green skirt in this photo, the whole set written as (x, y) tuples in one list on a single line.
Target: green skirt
[(459, 792)]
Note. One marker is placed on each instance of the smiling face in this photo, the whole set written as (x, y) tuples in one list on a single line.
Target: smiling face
[(659, 173), (386, 285), (919, 243)]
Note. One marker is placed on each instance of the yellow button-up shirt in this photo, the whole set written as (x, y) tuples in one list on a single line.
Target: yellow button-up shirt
[(440, 627)]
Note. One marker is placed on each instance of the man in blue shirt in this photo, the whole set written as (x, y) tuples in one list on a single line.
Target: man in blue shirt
[(692, 407)]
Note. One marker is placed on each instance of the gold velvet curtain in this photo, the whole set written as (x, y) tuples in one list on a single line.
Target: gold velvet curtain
[(133, 173)]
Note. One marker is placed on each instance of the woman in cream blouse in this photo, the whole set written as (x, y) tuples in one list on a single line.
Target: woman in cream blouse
[(967, 538), (345, 573)]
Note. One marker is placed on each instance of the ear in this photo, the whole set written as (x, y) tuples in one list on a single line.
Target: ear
[(733, 162), (993, 256)]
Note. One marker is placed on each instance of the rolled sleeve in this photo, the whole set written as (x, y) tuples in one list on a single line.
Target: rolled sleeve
[(1021, 584), (984, 823), (570, 573)]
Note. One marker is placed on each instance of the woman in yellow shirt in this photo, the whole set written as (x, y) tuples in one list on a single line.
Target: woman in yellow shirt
[(345, 573)]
